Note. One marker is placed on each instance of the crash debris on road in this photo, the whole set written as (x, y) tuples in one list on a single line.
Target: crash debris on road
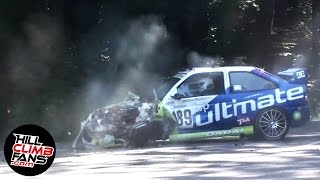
[(115, 125)]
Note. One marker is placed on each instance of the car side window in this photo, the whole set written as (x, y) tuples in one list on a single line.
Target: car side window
[(203, 84), (246, 81)]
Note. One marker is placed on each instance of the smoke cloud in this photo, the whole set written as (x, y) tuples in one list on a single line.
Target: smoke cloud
[(139, 55), (196, 60), (142, 40), (32, 56)]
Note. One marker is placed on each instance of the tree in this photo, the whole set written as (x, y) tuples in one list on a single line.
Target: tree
[(315, 35)]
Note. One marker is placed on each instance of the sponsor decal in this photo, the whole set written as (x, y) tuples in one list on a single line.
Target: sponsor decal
[(195, 99), (179, 106), (300, 74), (215, 112), (29, 150), (248, 130), (261, 103), (204, 108), (243, 120), (297, 116)]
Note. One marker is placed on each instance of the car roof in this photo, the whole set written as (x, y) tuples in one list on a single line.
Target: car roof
[(212, 69)]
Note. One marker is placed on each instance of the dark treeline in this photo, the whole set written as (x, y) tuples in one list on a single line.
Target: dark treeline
[(61, 59)]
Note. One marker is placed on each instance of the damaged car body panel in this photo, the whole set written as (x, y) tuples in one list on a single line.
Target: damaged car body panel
[(111, 125), (209, 102)]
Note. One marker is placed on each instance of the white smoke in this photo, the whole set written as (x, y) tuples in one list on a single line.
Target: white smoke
[(139, 43), (196, 60), (137, 46), (32, 56)]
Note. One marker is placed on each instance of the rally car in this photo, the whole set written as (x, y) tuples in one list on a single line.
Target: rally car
[(203, 103), (230, 101)]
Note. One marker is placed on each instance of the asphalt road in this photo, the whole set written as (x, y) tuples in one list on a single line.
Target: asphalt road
[(298, 156)]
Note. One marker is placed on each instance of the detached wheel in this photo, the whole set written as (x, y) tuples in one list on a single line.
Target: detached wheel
[(139, 134), (272, 124)]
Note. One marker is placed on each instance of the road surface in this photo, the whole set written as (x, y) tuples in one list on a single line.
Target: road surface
[(298, 156)]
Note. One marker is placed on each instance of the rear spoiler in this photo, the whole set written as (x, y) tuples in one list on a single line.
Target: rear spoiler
[(295, 75)]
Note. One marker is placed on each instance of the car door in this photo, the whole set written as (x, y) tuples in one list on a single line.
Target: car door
[(194, 104)]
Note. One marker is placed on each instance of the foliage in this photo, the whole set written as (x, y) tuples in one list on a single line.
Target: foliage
[(61, 59)]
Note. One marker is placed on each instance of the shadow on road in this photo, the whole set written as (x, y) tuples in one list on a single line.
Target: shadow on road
[(298, 156)]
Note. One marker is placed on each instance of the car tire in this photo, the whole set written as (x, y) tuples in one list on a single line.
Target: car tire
[(139, 134), (272, 124)]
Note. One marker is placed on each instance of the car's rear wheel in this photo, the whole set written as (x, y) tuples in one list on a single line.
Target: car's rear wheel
[(272, 124)]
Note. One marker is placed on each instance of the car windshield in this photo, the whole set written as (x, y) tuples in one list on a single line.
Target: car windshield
[(166, 86)]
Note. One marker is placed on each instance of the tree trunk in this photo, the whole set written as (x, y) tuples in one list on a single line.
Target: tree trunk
[(272, 18), (261, 46), (314, 63)]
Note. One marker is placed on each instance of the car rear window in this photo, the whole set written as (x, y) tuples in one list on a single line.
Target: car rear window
[(246, 81)]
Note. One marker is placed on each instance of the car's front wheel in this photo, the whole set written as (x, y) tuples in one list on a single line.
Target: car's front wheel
[(139, 134), (272, 124)]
